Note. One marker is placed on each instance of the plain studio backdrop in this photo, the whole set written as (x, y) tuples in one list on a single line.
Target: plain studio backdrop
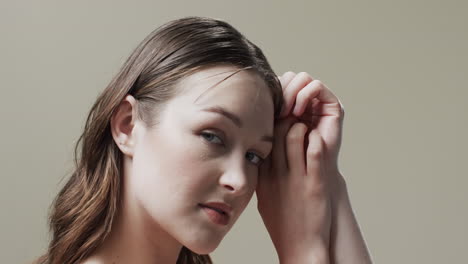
[(400, 69)]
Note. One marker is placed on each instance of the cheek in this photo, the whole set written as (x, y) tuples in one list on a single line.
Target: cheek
[(171, 168)]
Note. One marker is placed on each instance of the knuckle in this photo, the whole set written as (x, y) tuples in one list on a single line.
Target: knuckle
[(319, 82), (293, 138), (298, 128), (315, 149), (288, 73), (304, 75), (314, 153), (296, 133)]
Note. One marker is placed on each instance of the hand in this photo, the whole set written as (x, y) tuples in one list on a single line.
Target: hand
[(293, 190), (292, 197), (314, 104)]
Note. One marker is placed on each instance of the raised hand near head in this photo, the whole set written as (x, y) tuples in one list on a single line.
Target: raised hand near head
[(314, 104), (295, 183)]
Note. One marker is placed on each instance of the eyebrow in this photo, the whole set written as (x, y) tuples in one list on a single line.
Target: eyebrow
[(235, 119)]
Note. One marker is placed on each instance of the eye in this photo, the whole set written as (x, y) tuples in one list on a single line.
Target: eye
[(257, 159), (210, 137), (213, 138)]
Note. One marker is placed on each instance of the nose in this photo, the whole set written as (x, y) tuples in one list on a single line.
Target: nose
[(236, 179)]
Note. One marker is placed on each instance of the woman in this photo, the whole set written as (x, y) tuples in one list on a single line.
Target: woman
[(173, 149)]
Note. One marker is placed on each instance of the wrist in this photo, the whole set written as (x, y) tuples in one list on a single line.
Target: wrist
[(319, 254), (312, 258)]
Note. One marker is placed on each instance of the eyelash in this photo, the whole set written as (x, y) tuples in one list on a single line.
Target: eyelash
[(222, 143)]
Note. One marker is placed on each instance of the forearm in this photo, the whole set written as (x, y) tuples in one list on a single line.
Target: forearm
[(347, 243)]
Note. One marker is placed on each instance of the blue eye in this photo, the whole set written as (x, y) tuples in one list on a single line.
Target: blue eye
[(210, 136), (258, 160)]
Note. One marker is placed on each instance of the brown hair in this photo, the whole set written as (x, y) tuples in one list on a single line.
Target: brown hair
[(83, 211)]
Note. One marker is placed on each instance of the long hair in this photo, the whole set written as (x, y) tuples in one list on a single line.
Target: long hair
[(82, 213)]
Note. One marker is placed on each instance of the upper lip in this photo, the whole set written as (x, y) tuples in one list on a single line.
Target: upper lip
[(220, 206)]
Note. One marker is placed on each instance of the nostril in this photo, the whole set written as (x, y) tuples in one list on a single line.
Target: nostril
[(229, 187)]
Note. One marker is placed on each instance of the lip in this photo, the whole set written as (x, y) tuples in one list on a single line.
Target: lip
[(226, 208), (212, 211)]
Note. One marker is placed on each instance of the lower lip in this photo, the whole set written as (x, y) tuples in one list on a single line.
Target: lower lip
[(215, 216)]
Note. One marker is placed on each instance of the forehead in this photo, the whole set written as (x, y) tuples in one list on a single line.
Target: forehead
[(244, 93), (227, 86)]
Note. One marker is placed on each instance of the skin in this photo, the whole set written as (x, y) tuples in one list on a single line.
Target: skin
[(310, 220), (171, 168)]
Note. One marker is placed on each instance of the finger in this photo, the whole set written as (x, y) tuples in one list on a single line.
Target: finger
[(290, 92), (314, 157), (295, 148), (315, 89), (286, 78), (278, 152)]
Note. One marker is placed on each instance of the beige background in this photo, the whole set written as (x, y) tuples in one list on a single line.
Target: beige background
[(399, 67)]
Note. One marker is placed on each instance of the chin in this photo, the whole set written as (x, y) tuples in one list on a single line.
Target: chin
[(202, 251), (202, 247)]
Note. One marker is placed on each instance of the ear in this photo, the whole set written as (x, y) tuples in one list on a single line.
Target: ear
[(123, 125)]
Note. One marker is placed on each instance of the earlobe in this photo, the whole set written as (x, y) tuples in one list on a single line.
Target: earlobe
[(123, 123)]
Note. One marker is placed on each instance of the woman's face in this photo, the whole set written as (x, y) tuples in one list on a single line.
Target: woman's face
[(197, 155)]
